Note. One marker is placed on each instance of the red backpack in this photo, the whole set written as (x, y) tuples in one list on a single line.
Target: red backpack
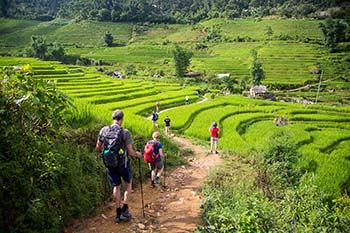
[(148, 154)]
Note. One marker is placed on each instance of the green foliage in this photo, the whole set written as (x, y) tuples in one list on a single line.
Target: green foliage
[(234, 201), (57, 52), (38, 47), (130, 69), (108, 39), (257, 71), (44, 181), (168, 11), (269, 32), (182, 59), (334, 31)]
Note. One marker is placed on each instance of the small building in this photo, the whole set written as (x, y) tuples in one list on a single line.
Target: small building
[(117, 74), (227, 75), (193, 74), (255, 90)]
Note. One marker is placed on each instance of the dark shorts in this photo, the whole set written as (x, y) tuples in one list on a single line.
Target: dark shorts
[(114, 175), (157, 165)]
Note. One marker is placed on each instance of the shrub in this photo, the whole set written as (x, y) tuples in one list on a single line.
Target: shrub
[(44, 181)]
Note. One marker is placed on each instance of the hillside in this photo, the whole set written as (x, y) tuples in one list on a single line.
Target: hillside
[(294, 49), (170, 11)]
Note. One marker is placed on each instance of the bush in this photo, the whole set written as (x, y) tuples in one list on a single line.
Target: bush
[(234, 202), (45, 181)]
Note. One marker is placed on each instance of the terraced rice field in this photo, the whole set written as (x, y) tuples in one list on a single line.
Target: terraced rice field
[(322, 133), (104, 94)]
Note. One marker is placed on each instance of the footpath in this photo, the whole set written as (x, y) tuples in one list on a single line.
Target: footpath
[(172, 208)]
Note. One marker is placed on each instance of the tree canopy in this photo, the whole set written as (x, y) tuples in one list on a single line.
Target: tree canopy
[(170, 11)]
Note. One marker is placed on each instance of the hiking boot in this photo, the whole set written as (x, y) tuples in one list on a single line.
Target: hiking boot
[(153, 183), (157, 180), (117, 219), (117, 216), (125, 216)]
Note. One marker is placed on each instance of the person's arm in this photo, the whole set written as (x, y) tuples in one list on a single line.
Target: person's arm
[(132, 152), (98, 146), (161, 153)]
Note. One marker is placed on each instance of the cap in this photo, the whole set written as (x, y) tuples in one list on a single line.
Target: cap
[(214, 124), (118, 115)]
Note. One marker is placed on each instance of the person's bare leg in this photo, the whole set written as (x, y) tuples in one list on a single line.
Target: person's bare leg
[(127, 192), (116, 194), (160, 171), (216, 146), (153, 174), (211, 145)]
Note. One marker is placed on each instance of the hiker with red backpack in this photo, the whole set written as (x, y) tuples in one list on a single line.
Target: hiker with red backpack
[(115, 144), (153, 155), (214, 133)]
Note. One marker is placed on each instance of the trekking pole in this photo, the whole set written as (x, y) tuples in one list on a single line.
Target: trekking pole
[(140, 175), (165, 168)]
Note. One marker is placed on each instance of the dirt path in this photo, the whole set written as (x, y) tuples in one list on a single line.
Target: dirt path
[(173, 208)]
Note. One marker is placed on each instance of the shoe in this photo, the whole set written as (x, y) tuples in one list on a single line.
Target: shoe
[(117, 219), (157, 180), (125, 216), (117, 215), (153, 183)]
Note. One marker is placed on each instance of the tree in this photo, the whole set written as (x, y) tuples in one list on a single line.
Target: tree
[(182, 59), (108, 39), (38, 47), (334, 31), (104, 15), (57, 52), (269, 32), (257, 71)]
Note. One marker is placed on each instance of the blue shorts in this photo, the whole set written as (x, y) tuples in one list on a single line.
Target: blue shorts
[(114, 175)]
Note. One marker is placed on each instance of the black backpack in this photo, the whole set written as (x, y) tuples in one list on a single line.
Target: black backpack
[(113, 146)]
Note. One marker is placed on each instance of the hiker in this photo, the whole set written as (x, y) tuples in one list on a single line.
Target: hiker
[(155, 118), (115, 145), (214, 131), (158, 106), (153, 156), (167, 125), (187, 100)]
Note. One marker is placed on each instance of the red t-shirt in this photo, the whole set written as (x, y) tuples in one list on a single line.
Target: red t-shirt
[(214, 132)]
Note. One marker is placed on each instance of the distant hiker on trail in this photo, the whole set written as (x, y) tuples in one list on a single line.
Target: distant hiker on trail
[(214, 132), (167, 125), (115, 145), (153, 155), (187, 100), (158, 106), (155, 117)]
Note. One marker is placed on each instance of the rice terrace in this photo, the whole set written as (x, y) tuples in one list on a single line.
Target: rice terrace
[(257, 93)]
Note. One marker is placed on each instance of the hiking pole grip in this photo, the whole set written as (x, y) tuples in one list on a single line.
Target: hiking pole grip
[(140, 176)]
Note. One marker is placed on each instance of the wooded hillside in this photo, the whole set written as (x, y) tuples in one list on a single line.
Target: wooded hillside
[(180, 11)]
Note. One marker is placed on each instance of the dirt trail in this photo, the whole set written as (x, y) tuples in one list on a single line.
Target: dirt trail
[(173, 208)]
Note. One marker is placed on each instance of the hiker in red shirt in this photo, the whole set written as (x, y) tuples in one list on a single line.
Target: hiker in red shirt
[(214, 131)]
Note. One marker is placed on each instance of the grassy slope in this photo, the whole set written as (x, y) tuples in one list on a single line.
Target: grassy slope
[(285, 62)]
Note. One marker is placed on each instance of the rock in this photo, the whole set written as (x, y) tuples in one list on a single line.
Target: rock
[(141, 226), (92, 229), (183, 167), (158, 214), (176, 189), (151, 211), (104, 216), (193, 193)]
